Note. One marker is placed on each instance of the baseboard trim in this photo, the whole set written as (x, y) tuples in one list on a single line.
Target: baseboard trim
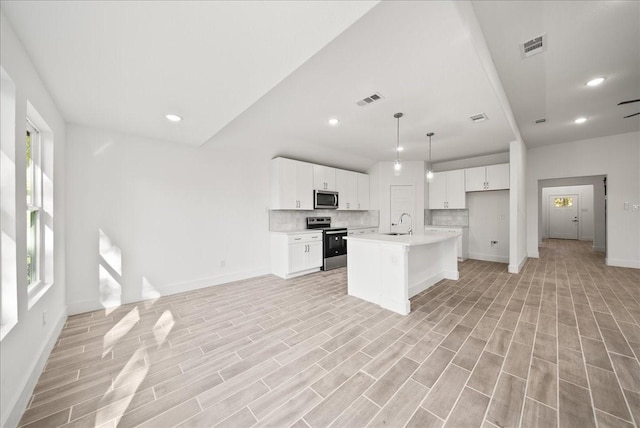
[(489, 258), (513, 268), (598, 249), (170, 289), (18, 407), (634, 264)]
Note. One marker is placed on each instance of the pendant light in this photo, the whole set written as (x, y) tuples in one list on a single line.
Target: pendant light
[(429, 173), (397, 166)]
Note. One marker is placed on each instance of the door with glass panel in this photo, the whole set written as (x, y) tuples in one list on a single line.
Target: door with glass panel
[(563, 216)]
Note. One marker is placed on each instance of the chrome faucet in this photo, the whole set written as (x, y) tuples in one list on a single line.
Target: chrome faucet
[(400, 222)]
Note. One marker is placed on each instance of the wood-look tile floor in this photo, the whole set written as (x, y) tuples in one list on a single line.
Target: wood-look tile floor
[(556, 345)]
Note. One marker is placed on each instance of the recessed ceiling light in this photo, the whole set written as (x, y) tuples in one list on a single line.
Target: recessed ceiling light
[(580, 120), (333, 121), (173, 117), (400, 148), (595, 82)]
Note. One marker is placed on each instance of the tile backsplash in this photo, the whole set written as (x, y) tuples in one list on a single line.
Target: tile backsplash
[(447, 217), (290, 220)]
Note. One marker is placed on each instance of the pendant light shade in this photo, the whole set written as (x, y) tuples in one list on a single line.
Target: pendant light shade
[(429, 173), (397, 165)]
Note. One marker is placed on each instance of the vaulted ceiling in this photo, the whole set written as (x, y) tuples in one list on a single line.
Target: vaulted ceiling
[(282, 69)]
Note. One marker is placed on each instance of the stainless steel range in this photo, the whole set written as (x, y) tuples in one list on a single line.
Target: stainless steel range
[(334, 246)]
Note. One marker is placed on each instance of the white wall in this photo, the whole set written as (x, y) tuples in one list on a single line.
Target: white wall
[(26, 346), (615, 156), (382, 178), (489, 221), (517, 206), (585, 208)]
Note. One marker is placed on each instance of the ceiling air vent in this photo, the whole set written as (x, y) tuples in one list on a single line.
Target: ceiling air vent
[(534, 46), (543, 120), (479, 118), (371, 98)]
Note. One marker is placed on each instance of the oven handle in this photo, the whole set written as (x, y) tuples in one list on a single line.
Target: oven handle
[(337, 232)]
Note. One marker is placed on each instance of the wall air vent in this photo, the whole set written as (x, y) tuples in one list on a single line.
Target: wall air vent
[(543, 120), (479, 118), (534, 46), (371, 98)]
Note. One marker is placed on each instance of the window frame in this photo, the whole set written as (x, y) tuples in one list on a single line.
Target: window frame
[(34, 206)]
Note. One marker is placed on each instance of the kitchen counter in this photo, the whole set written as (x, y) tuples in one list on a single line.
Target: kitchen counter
[(390, 269)]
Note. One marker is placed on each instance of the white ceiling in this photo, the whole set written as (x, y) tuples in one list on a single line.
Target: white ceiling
[(123, 65), (420, 57), (279, 70), (585, 39)]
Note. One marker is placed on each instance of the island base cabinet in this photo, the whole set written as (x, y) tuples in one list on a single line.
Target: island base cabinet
[(389, 275), (295, 255)]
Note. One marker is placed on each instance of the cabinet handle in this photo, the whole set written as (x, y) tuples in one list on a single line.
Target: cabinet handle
[(358, 205), (297, 239)]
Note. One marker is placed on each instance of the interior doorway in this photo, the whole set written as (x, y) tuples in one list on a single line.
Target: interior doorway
[(591, 210), (563, 216)]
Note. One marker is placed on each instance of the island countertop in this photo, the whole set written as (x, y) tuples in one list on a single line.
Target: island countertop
[(407, 240)]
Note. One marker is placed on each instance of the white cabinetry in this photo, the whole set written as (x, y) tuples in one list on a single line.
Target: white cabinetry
[(446, 191), (361, 231), (295, 254), (463, 239), (291, 185), (324, 177), (363, 191), (492, 177), (353, 190)]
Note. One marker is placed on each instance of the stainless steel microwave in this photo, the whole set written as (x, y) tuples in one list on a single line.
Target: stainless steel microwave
[(324, 199)]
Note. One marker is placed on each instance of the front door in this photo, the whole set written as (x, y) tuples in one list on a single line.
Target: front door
[(563, 216)]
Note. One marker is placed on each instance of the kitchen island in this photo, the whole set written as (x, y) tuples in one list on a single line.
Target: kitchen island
[(389, 269)]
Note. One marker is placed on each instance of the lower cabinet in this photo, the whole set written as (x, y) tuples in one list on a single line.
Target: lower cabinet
[(295, 254), (463, 239), (360, 231)]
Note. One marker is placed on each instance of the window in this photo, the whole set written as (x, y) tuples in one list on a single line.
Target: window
[(34, 204), (562, 202)]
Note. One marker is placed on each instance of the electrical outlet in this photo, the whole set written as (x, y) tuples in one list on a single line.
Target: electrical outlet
[(44, 318), (636, 207), (223, 263), (626, 205)]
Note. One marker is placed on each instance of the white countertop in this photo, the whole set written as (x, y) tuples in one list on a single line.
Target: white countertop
[(297, 232), (429, 226), (405, 240)]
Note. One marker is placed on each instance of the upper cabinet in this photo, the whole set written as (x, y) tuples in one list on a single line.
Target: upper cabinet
[(353, 190), (291, 185), (446, 191), (492, 177), (324, 177), (363, 191)]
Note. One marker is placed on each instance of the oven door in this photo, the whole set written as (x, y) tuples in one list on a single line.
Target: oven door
[(334, 243)]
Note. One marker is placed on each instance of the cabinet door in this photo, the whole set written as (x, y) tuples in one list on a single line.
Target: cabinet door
[(297, 257), (352, 185), (324, 177), (284, 194), (314, 255), (498, 176), (363, 192), (456, 196), (438, 191), (342, 187), (304, 185), (475, 179)]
